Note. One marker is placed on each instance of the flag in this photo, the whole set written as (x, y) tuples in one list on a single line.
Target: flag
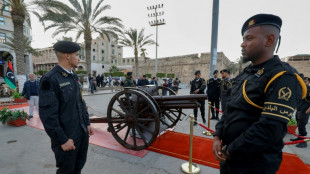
[(9, 77)]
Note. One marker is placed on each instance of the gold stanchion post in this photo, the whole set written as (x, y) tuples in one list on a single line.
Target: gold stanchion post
[(209, 114), (189, 167)]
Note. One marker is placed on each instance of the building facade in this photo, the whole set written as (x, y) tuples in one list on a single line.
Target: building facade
[(103, 53), (300, 62), (7, 53)]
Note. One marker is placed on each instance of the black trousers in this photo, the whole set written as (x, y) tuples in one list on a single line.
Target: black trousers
[(302, 120), (71, 162), (245, 167), (216, 102), (202, 110)]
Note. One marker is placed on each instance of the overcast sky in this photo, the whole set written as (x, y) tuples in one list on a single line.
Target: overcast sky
[(188, 25)]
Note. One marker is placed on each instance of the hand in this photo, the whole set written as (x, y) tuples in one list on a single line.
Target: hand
[(308, 111), (69, 145), (196, 91), (217, 149), (90, 130)]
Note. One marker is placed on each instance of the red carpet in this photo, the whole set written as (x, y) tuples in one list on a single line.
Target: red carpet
[(177, 145), (101, 137)]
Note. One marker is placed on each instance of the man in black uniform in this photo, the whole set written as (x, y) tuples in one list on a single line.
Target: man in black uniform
[(249, 137), (63, 111), (302, 116), (198, 86), (213, 92), (225, 88)]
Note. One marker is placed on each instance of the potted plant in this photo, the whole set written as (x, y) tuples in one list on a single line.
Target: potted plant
[(291, 126), (14, 118), (17, 96)]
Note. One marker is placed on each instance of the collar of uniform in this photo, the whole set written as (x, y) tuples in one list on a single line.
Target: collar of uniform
[(69, 72), (254, 68)]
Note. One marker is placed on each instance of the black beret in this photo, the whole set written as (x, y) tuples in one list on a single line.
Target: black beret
[(144, 75), (129, 73), (66, 47), (225, 70), (214, 72), (261, 19), (197, 72)]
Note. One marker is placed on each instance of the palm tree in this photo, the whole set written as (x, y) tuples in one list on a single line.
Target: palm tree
[(131, 38), (79, 17), (26, 44), (19, 13)]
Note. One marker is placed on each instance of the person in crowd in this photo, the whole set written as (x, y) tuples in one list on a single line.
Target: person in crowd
[(154, 81), (98, 80), (302, 116), (198, 86), (170, 81), (129, 82), (143, 81), (31, 91), (226, 85), (249, 137), (213, 92), (175, 85), (63, 111)]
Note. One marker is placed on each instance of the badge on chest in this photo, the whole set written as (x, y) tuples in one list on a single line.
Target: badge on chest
[(61, 85)]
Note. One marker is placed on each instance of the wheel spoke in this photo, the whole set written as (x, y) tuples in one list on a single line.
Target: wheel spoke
[(120, 113), (142, 111), (169, 117), (121, 128), (142, 136), (127, 133), (134, 136), (128, 102), (164, 122), (123, 107), (144, 128), (136, 105)]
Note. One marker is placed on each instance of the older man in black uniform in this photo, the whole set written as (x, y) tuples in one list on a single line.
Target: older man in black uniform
[(213, 92), (225, 88), (249, 138), (198, 86), (63, 111)]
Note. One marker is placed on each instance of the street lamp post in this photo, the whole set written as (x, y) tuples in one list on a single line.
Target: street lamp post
[(215, 18), (156, 23)]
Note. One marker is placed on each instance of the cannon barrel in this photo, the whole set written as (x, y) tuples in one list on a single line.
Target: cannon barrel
[(181, 97)]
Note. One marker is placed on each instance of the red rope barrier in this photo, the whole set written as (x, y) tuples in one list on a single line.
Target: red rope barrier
[(296, 142), (217, 109), (201, 125), (293, 133)]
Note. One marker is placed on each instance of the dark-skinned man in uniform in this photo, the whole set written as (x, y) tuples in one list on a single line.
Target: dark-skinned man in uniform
[(225, 88), (198, 86), (249, 137), (63, 111), (214, 92)]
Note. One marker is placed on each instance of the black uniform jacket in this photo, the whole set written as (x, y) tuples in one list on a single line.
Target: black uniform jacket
[(262, 101), (213, 88), (305, 104), (61, 106), (198, 84)]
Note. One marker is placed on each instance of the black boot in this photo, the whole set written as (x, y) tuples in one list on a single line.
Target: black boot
[(213, 117), (302, 145), (217, 117), (295, 139), (204, 120)]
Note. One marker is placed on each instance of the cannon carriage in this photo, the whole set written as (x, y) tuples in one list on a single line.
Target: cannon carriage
[(136, 116)]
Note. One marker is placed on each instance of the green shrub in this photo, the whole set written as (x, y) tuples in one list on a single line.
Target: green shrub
[(41, 72), (292, 122), (106, 74), (8, 115), (170, 75), (148, 75), (161, 75), (81, 72), (118, 74), (16, 94)]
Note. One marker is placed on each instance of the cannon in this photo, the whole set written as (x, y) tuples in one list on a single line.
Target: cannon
[(136, 116)]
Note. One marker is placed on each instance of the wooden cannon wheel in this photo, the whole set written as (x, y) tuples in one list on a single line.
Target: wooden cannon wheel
[(133, 119)]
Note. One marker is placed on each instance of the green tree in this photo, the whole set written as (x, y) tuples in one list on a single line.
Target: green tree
[(136, 40), (19, 13), (80, 17), (26, 44)]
